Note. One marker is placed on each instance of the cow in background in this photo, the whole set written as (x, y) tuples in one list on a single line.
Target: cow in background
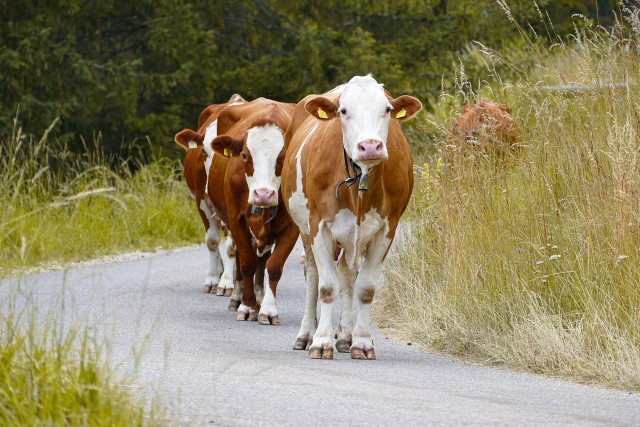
[(346, 180), (486, 126), (197, 162), (244, 187)]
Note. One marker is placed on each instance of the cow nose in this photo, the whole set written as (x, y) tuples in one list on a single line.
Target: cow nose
[(264, 196), (371, 149)]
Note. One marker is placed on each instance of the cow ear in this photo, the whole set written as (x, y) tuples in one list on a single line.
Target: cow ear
[(189, 139), (227, 145), (321, 108), (405, 107)]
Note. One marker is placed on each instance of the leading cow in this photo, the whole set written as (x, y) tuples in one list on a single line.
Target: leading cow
[(346, 180)]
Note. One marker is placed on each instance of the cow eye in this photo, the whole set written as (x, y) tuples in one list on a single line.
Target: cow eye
[(388, 109), (343, 111)]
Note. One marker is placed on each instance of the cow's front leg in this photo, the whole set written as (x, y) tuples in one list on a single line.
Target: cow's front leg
[(228, 256), (258, 283), (236, 296), (328, 288), (212, 240), (345, 327), (309, 320), (365, 289), (284, 245), (248, 260)]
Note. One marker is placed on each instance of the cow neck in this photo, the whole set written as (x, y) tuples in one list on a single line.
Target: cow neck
[(363, 179), (258, 210)]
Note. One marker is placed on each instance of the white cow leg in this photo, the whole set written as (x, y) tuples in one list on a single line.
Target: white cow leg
[(212, 240), (365, 288), (309, 320), (228, 258), (328, 288), (345, 327)]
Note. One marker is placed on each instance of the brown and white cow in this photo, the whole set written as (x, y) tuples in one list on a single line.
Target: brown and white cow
[(346, 180), (197, 161), (486, 126), (244, 187)]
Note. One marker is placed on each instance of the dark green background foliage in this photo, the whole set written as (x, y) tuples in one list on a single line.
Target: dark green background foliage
[(142, 70)]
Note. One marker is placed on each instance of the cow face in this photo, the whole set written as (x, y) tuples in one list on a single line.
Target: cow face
[(262, 152), (365, 112)]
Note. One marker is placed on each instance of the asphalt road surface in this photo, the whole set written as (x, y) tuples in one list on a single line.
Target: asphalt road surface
[(187, 350)]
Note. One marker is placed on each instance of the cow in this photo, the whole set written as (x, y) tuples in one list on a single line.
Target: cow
[(244, 189), (197, 162), (487, 126), (346, 180)]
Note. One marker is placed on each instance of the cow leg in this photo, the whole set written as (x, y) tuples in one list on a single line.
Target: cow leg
[(248, 264), (212, 240), (258, 283), (236, 296), (309, 320), (269, 309), (345, 326), (328, 287), (228, 257), (365, 288)]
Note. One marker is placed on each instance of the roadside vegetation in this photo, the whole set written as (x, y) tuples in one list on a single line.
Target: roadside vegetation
[(532, 261), (60, 206), (52, 376)]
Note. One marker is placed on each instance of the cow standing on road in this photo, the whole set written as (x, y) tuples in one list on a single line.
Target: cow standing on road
[(197, 162), (346, 180)]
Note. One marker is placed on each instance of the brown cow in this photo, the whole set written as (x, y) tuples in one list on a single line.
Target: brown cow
[(486, 125), (244, 188), (346, 180), (196, 170)]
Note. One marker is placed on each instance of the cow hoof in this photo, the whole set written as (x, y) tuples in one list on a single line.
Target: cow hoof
[(264, 319), (233, 305), (343, 346), (360, 354), (326, 352), (242, 316), (302, 344), (220, 291), (253, 316), (228, 292), (206, 289)]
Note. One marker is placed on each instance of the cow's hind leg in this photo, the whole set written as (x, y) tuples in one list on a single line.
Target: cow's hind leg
[(309, 320), (228, 257)]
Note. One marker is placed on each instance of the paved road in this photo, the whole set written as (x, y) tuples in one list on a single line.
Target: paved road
[(211, 370)]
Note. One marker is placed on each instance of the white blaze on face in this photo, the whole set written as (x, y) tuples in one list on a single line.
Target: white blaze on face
[(364, 113), (265, 144)]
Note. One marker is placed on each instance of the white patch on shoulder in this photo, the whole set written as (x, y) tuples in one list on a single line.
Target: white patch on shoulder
[(209, 135), (298, 203)]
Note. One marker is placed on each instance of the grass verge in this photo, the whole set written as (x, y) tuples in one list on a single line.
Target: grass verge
[(533, 263), (59, 206)]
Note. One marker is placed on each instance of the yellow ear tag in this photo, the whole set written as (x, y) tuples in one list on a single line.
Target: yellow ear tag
[(401, 114), (193, 144), (227, 152), (322, 114)]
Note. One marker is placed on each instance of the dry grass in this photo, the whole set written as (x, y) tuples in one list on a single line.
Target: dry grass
[(533, 263)]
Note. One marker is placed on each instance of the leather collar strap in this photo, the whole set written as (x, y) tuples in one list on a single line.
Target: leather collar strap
[(363, 179), (257, 210)]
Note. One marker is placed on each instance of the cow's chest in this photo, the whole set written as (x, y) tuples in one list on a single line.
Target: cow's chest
[(353, 236)]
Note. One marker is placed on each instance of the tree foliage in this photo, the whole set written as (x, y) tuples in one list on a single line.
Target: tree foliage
[(142, 70)]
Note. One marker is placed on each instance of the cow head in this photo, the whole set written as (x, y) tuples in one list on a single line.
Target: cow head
[(262, 150), (365, 112)]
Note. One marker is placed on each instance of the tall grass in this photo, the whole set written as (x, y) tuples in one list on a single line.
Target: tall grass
[(53, 376), (534, 262), (59, 206)]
